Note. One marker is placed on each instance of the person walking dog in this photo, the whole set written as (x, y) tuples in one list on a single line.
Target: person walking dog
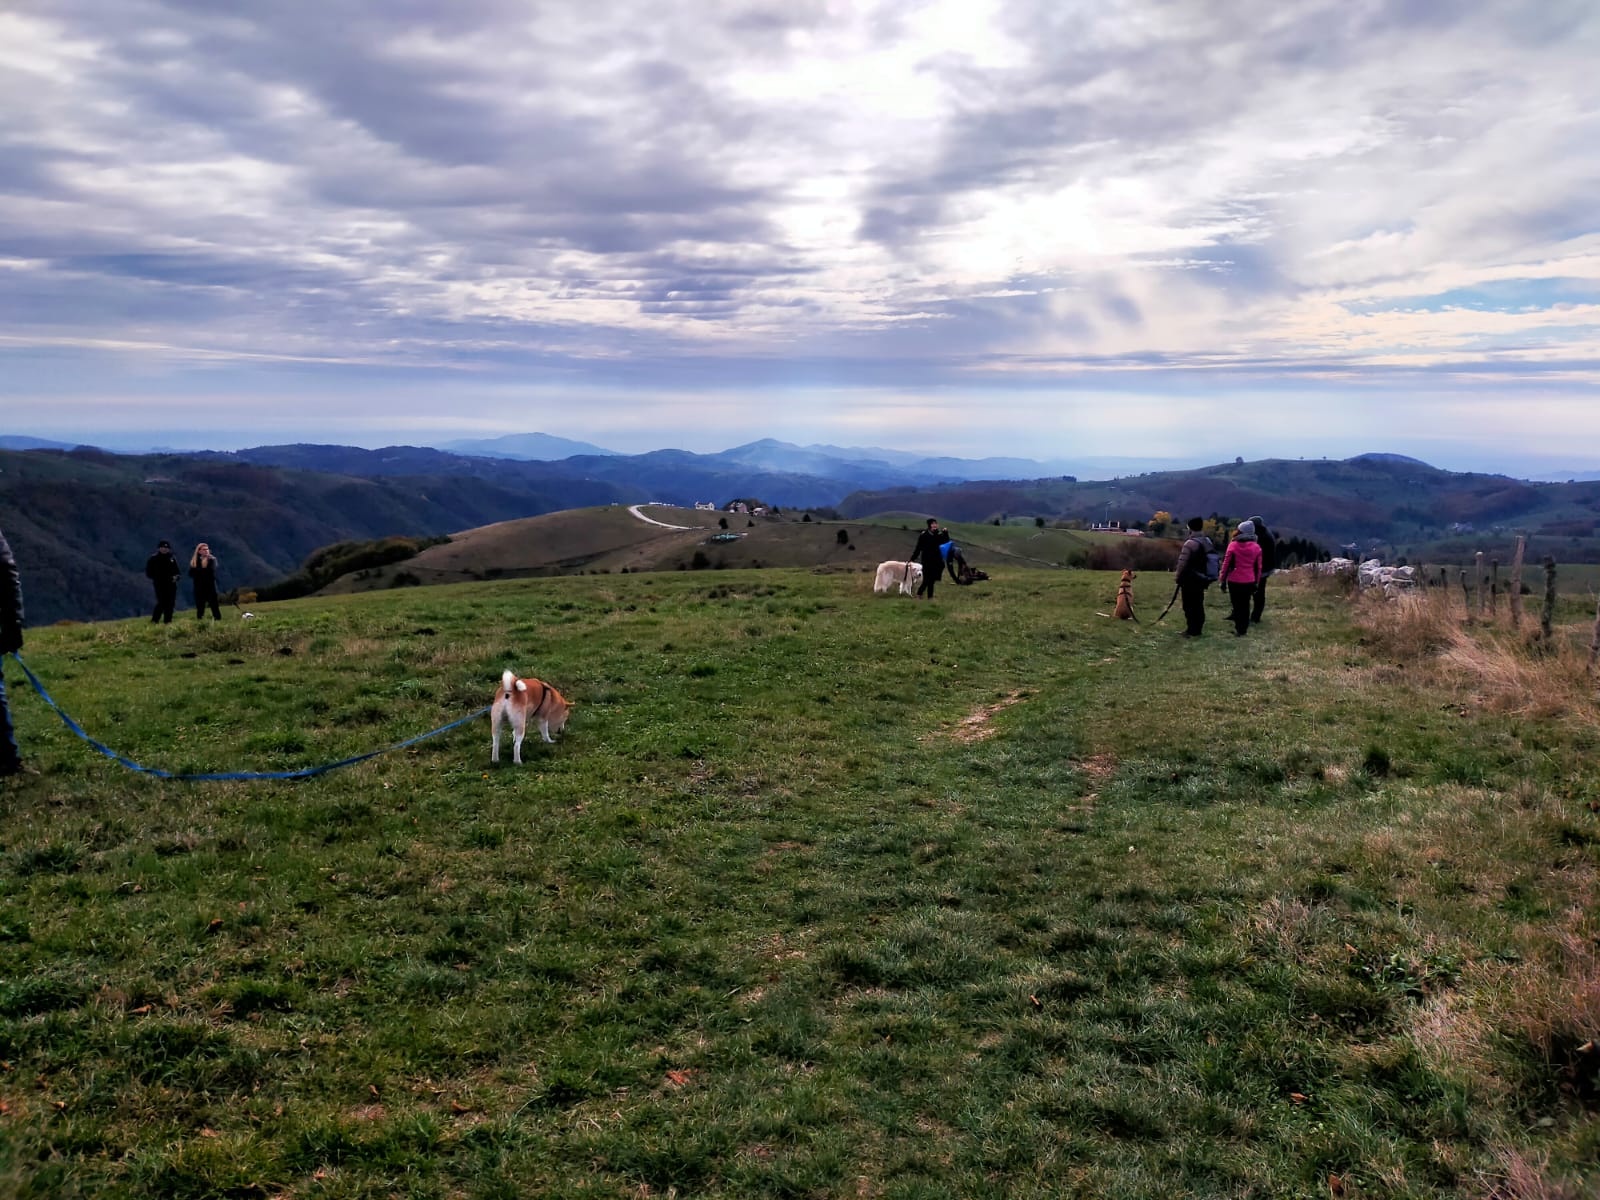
[(1194, 577), (1241, 571), (10, 643), (163, 572), (203, 570), (929, 551)]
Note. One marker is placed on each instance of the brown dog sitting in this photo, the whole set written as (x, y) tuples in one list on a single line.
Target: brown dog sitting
[(1124, 609)]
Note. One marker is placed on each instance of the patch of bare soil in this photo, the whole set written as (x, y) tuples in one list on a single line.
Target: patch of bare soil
[(1097, 767), (974, 727)]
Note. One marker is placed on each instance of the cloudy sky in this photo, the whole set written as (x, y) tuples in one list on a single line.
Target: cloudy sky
[(1186, 229)]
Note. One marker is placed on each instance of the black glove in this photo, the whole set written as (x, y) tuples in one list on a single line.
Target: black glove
[(10, 639)]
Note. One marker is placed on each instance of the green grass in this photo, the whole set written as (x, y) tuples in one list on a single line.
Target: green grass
[(1210, 919)]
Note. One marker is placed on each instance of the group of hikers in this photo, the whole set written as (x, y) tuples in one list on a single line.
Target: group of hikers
[(161, 568), (1243, 569), (1251, 556), (163, 571)]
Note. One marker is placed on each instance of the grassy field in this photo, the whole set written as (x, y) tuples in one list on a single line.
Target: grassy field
[(1572, 579), (611, 540), (820, 895)]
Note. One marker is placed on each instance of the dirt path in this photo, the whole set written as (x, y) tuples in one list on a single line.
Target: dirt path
[(634, 509)]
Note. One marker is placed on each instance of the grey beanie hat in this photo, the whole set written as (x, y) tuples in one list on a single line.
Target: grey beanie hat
[(1247, 527)]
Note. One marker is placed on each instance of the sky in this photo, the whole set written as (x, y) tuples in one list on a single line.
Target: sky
[(1181, 229)]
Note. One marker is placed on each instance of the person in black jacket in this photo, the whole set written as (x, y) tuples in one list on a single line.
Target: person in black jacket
[(163, 572), (929, 552), (203, 570), (10, 643), (1192, 577), (1269, 564)]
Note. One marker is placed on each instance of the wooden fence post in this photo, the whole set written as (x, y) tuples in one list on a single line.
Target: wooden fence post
[(1494, 587), (1516, 583), (1466, 593), (1549, 596), (1594, 642), (1483, 601)]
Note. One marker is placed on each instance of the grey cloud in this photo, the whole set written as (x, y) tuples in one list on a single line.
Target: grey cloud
[(587, 155), (1239, 268)]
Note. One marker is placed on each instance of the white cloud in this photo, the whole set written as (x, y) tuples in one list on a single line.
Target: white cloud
[(965, 193)]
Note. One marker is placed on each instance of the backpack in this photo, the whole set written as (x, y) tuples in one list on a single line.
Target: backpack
[(1205, 568)]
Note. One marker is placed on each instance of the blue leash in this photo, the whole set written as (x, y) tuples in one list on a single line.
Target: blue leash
[(303, 773)]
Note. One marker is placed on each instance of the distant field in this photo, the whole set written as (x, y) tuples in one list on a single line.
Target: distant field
[(612, 540), (1572, 579), (821, 895)]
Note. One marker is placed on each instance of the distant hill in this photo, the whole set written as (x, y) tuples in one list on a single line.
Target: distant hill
[(19, 442), (83, 520), (614, 540), (832, 462), (676, 476), (537, 447), (1398, 503)]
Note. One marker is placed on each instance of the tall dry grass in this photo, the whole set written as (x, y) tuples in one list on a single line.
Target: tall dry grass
[(1504, 669), (1555, 1007), (1549, 1003)]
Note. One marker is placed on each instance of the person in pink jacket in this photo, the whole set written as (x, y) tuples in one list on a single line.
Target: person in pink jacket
[(1241, 571)]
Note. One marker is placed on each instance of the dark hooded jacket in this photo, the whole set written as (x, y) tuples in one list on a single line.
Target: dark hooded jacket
[(1269, 547), (11, 615)]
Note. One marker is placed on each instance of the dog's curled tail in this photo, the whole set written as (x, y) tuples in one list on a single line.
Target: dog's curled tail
[(509, 683)]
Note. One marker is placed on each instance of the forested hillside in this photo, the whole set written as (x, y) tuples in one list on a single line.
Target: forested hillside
[(82, 522), (1396, 504)]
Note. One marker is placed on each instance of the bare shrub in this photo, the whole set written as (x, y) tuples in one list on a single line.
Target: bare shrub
[(1331, 583), (1413, 625), (1141, 554)]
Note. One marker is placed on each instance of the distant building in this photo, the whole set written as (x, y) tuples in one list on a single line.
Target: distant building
[(704, 506), (1106, 527)]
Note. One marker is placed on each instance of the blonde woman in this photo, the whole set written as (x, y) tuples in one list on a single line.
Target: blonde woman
[(203, 570)]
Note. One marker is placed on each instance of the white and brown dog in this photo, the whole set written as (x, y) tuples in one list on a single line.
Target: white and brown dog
[(518, 701)]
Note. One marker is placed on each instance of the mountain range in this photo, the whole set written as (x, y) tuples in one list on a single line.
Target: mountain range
[(82, 520)]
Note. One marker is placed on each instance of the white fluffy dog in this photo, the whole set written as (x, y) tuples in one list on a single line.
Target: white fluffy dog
[(907, 576)]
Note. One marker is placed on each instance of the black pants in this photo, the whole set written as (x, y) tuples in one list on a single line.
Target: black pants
[(1194, 607), (201, 599), (930, 576), (1239, 594), (10, 759), (166, 601), (1260, 600)]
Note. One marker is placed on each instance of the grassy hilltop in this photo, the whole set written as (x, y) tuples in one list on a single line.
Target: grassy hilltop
[(820, 895), (611, 539)]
